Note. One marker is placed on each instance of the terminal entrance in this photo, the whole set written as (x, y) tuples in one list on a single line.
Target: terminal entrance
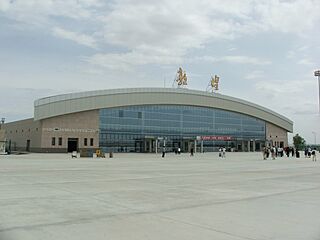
[(147, 145), (187, 145), (152, 145), (72, 144), (28, 145)]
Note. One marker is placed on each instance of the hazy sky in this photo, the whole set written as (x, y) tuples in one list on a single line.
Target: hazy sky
[(265, 51)]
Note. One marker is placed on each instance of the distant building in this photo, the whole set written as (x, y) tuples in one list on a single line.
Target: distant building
[(146, 119), (2, 139)]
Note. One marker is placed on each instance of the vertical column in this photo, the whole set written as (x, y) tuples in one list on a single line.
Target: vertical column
[(254, 145), (150, 146), (201, 146), (248, 146), (156, 145), (195, 146), (242, 146), (145, 146)]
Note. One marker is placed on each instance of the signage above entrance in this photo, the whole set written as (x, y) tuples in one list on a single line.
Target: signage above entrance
[(216, 138)]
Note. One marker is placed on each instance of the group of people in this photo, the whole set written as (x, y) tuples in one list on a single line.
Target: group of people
[(266, 151), (308, 152), (279, 152), (177, 151)]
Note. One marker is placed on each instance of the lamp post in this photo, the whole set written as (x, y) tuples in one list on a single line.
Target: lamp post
[(317, 74)]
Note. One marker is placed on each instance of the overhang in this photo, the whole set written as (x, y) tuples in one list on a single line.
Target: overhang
[(84, 101)]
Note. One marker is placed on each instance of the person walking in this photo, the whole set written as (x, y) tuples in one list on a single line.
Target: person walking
[(268, 152), (314, 157), (223, 152), (305, 152), (163, 152), (264, 153), (287, 151), (191, 152), (309, 152), (292, 152), (273, 153)]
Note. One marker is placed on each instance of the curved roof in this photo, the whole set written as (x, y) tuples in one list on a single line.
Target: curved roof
[(85, 101)]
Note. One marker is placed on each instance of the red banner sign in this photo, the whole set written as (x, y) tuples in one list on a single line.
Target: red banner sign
[(216, 138)]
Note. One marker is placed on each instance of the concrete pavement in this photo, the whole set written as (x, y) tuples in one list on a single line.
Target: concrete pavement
[(144, 196)]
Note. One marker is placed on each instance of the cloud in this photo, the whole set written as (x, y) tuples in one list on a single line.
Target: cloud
[(254, 75), (79, 38), (22, 106), (306, 61), (28, 11), (278, 87), (4, 5), (244, 60), (296, 16), (234, 59), (168, 29), (127, 61), (291, 96)]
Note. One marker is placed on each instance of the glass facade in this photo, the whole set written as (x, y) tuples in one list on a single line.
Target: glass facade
[(143, 128)]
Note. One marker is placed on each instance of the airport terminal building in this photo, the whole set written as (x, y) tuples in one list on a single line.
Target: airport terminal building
[(146, 120)]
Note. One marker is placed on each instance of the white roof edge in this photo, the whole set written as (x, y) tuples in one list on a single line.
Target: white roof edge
[(69, 96)]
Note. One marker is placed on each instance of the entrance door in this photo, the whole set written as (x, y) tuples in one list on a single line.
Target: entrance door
[(258, 146), (251, 146), (28, 145), (239, 148), (72, 144), (149, 145), (176, 144), (138, 146), (187, 145)]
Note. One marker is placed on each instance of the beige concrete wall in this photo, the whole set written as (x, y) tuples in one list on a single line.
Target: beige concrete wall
[(21, 131), (276, 135), (2, 134), (2, 140), (77, 125)]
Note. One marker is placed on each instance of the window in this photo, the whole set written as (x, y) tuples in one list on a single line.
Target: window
[(60, 141), (126, 127), (91, 141), (85, 141), (53, 141)]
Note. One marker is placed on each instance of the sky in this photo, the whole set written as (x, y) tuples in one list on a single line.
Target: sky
[(265, 51)]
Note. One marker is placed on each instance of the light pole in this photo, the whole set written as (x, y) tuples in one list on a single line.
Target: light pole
[(315, 137), (317, 74)]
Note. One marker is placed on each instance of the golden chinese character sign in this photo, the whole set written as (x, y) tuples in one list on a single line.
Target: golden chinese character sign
[(181, 78), (215, 83)]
